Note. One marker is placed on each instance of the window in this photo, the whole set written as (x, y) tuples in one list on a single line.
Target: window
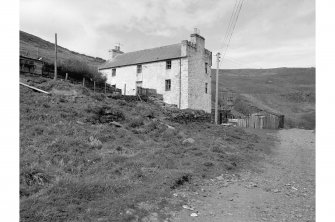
[(139, 68), (138, 86), (206, 65), (168, 64), (206, 87), (113, 72), (167, 84)]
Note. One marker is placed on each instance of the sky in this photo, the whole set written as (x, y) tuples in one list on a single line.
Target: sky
[(268, 33)]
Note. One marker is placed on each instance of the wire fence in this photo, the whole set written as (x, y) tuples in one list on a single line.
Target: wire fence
[(99, 87)]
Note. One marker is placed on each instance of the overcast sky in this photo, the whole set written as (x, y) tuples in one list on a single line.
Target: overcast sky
[(269, 33)]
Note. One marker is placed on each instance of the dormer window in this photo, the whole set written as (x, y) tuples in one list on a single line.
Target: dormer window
[(139, 68), (168, 64)]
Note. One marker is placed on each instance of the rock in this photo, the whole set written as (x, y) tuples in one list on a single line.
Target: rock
[(208, 164), (81, 123), (194, 215), (170, 127), (293, 188), (251, 184), (220, 177), (130, 212), (116, 124), (225, 184), (188, 141), (187, 207), (276, 191)]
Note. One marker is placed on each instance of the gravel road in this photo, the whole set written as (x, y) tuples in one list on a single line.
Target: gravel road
[(281, 189)]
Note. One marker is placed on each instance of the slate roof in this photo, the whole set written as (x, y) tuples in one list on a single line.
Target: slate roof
[(144, 56), (26, 57)]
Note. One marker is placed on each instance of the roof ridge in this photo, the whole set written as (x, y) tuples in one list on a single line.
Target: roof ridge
[(151, 48), (155, 54)]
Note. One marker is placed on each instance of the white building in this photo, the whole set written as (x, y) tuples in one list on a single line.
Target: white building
[(181, 72)]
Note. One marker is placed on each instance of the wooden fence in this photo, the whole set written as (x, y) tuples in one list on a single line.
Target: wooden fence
[(147, 92), (261, 120)]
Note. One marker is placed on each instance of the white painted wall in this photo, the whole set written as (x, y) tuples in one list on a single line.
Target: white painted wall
[(153, 76)]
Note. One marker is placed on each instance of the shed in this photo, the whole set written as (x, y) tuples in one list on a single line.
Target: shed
[(31, 65), (266, 120)]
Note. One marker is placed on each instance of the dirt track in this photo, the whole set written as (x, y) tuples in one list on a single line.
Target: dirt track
[(282, 189)]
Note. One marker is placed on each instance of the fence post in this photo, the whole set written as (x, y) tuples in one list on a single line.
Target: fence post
[(105, 87), (84, 81), (66, 75), (94, 86)]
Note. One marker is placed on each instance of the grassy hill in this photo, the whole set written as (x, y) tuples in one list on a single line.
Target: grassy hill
[(30, 44), (77, 165), (290, 91)]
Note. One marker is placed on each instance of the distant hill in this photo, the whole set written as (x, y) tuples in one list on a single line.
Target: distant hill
[(290, 91), (34, 47)]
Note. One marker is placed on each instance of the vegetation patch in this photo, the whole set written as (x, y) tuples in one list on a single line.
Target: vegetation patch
[(77, 166)]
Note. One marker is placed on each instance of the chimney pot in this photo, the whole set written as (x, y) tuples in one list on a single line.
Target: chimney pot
[(197, 39), (196, 31), (114, 52)]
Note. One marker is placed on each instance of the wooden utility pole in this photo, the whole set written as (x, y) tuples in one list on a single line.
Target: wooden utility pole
[(217, 87), (55, 70)]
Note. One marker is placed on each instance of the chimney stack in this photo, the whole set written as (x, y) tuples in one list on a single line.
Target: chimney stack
[(197, 39), (115, 52)]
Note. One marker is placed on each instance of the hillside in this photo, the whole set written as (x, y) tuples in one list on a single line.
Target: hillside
[(77, 164), (290, 91), (31, 45)]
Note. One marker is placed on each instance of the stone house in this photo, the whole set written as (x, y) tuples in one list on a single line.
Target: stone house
[(181, 72)]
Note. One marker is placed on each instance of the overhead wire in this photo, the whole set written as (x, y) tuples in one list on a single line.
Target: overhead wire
[(230, 22), (233, 29)]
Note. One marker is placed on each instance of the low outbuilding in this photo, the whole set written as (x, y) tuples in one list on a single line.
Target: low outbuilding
[(31, 65)]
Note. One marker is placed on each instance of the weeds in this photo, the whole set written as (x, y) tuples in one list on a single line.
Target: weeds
[(181, 181), (136, 122)]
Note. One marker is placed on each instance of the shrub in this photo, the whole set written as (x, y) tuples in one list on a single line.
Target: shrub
[(32, 180), (104, 114), (136, 122), (77, 69), (95, 143)]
